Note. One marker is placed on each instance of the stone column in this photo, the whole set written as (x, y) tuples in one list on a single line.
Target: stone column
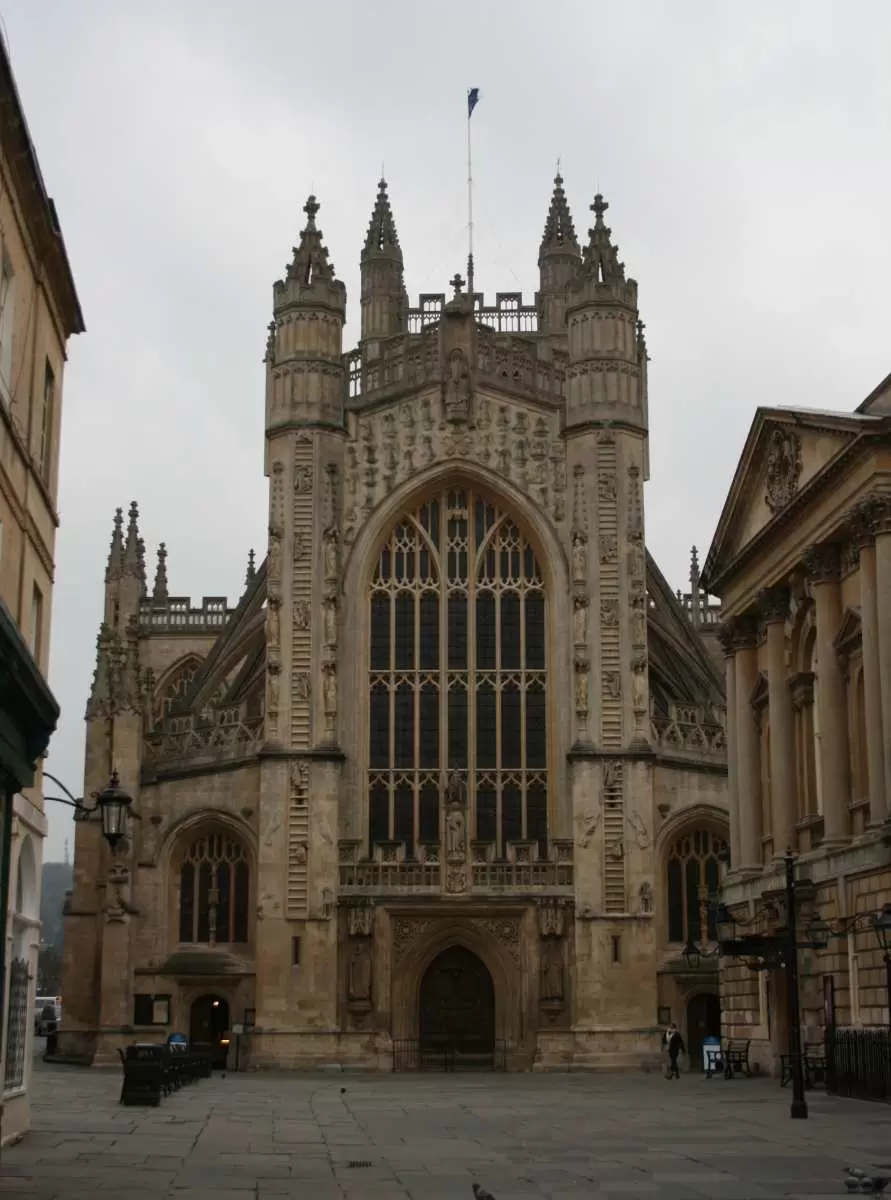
[(823, 565), (725, 636), (864, 539), (774, 605), (881, 523), (748, 749)]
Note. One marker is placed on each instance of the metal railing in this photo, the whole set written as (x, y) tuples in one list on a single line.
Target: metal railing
[(858, 1063), (412, 1054)]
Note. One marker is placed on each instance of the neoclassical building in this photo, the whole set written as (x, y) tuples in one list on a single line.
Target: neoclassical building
[(452, 772), (802, 562)]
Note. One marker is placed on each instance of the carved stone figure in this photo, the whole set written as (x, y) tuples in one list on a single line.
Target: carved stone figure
[(606, 488), (551, 971), (783, 469), (641, 836), (271, 693), (456, 834), (274, 569), (639, 687), (581, 686), (330, 688), (612, 684), (609, 548), (300, 545), (302, 478), (579, 557), (272, 625), (301, 614), (302, 685), (455, 790), (639, 620), (330, 617), (580, 620), (359, 976), (300, 775), (645, 898), (329, 551), (457, 387), (609, 611)]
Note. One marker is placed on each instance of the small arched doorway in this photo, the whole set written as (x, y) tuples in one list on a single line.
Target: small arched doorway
[(457, 1009), (703, 1020), (208, 1024)]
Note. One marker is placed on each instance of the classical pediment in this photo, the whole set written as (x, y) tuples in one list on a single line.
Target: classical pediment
[(785, 454)]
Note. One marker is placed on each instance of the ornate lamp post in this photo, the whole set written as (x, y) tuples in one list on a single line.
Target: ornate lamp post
[(113, 804)]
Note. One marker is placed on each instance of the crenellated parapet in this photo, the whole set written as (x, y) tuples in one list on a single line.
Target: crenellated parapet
[(177, 614)]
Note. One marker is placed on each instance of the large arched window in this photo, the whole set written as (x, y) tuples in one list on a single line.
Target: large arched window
[(214, 891), (458, 675), (693, 870)]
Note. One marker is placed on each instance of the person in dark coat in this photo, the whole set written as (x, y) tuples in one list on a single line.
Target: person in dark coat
[(675, 1047)]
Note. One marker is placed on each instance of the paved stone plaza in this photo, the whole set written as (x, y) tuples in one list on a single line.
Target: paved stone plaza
[(430, 1137)]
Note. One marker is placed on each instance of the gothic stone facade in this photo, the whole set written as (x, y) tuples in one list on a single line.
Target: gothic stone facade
[(802, 561), (423, 783)]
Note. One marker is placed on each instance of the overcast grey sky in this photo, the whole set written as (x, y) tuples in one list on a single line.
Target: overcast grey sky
[(743, 150)]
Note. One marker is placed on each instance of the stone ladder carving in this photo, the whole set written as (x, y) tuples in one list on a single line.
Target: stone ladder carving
[(613, 837), (297, 891), (301, 632), (612, 703)]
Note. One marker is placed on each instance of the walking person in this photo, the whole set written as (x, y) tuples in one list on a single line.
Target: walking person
[(675, 1047)]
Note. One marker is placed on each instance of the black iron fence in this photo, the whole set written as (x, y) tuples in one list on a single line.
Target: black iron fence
[(858, 1063), (410, 1054)]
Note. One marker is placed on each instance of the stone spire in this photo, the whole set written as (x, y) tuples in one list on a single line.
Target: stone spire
[(559, 232), (310, 264), (695, 612), (384, 299), (134, 561), (100, 702), (559, 258), (382, 237), (160, 591), (115, 566), (251, 573), (601, 257)]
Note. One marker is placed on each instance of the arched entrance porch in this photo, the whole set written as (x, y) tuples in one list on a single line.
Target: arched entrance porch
[(457, 1009), (209, 1024), (703, 1020)]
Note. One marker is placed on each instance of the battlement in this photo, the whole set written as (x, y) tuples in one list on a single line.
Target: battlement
[(709, 614), (176, 614), (508, 315)]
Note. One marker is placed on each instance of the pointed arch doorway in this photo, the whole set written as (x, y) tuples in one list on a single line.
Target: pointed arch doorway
[(208, 1023), (457, 1011)]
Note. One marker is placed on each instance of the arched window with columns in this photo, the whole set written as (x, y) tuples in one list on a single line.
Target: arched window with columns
[(694, 867), (214, 890), (458, 674)]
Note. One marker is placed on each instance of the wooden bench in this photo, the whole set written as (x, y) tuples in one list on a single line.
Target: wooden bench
[(736, 1056), (814, 1061)]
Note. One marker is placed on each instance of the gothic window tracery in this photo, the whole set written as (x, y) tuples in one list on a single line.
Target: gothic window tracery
[(458, 618), (214, 891), (693, 870)]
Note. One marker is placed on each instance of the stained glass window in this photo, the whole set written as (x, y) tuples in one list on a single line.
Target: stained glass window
[(458, 681), (693, 870), (214, 892)]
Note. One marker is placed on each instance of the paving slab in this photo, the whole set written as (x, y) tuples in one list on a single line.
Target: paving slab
[(430, 1137)]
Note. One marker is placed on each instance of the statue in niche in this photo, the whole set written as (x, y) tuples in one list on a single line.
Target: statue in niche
[(639, 686), (581, 686), (645, 898), (457, 387), (272, 625), (330, 553), (456, 834), (359, 975), (580, 620), (579, 557), (330, 621), (274, 569), (330, 686), (551, 971)]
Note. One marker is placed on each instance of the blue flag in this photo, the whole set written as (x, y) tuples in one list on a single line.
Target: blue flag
[(473, 97)]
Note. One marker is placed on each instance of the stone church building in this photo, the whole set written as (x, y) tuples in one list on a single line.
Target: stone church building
[(450, 778)]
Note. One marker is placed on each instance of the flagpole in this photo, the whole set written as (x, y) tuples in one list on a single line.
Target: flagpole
[(469, 210)]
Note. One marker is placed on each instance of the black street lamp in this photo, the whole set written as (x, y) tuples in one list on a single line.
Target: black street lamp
[(881, 924), (113, 805), (798, 1108)]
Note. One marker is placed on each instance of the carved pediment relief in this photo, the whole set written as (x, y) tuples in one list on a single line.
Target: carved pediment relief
[(394, 443)]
